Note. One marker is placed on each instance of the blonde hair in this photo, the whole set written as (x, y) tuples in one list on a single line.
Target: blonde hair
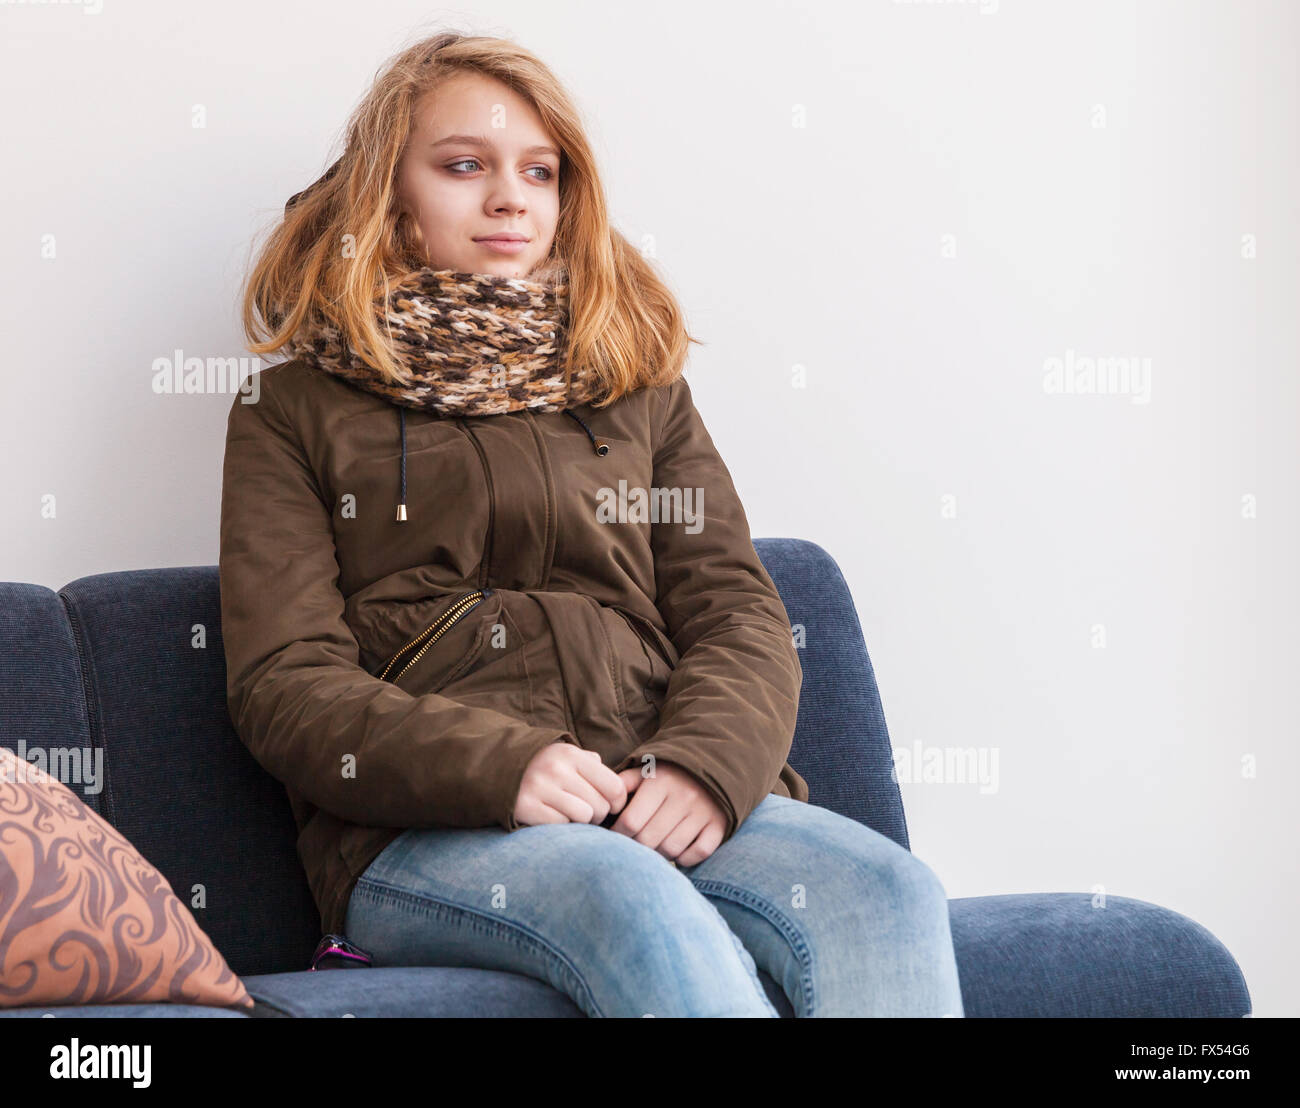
[(625, 326)]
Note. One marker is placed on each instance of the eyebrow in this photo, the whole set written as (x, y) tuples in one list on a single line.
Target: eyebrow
[(482, 141)]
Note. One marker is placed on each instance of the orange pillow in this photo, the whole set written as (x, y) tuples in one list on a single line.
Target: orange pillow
[(84, 919)]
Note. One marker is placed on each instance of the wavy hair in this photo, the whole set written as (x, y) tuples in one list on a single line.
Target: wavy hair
[(625, 326)]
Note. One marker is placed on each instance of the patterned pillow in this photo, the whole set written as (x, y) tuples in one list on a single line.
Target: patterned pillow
[(84, 919)]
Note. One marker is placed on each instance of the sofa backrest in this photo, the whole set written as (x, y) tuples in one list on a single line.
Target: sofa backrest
[(43, 713), (841, 743), (130, 667), (181, 786)]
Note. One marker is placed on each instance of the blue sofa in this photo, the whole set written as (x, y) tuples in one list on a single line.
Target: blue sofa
[(108, 662)]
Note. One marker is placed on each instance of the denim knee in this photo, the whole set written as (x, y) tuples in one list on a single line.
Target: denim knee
[(915, 878), (911, 885), (624, 888), (676, 951)]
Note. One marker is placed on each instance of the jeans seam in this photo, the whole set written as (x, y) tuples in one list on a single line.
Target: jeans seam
[(507, 928), (768, 911)]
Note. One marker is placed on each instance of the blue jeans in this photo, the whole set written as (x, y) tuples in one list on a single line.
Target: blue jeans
[(844, 919)]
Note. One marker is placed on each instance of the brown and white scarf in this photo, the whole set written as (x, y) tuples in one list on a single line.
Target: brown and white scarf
[(474, 344)]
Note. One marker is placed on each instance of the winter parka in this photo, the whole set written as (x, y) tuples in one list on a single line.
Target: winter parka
[(582, 576)]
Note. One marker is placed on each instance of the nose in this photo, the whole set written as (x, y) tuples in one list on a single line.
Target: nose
[(506, 197)]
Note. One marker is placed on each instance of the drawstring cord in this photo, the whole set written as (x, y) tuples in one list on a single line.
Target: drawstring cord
[(401, 507), (599, 445)]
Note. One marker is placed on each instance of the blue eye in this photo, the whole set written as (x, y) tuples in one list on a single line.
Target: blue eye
[(474, 161)]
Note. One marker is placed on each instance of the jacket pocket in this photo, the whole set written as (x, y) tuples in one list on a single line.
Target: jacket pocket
[(639, 670), (648, 683), (663, 654), (472, 653), (443, 649)]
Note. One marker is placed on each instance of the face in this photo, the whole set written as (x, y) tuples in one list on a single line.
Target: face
[(466, 180)]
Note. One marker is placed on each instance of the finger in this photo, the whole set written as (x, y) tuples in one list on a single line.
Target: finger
[(604, 781), (577, 785), (705, 844), (662, 824), (643, 805), (632, 780), (535, 812), (574, 807), (684, 834)]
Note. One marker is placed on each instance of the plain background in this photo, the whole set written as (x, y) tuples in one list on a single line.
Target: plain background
[(883, 219)]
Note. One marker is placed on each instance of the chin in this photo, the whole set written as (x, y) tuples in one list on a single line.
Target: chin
[(503, 267)]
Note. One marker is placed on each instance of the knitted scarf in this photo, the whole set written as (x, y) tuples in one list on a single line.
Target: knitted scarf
[(473, 344)]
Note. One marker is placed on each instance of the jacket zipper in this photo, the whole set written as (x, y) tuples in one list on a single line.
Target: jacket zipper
[(552, 513), (433, 632), (485, 573)]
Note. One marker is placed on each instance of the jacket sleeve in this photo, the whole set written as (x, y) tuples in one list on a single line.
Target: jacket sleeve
[(297, 695), (732, 701)]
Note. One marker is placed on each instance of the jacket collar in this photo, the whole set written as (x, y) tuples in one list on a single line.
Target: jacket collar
[(471, 344)]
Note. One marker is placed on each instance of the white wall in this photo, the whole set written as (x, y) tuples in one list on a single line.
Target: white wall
[(819, 246)]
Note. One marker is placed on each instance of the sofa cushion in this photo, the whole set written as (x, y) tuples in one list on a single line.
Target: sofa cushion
[(1037, 955), (452, 991), (128, 1011), (84, 919), (408, 991)]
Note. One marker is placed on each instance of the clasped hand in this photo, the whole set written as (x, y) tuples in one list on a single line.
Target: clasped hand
[(670, 811)]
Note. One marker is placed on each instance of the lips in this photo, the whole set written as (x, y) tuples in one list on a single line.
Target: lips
[(505, 244)]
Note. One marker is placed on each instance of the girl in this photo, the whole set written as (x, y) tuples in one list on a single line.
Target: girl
[(490, 605)]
